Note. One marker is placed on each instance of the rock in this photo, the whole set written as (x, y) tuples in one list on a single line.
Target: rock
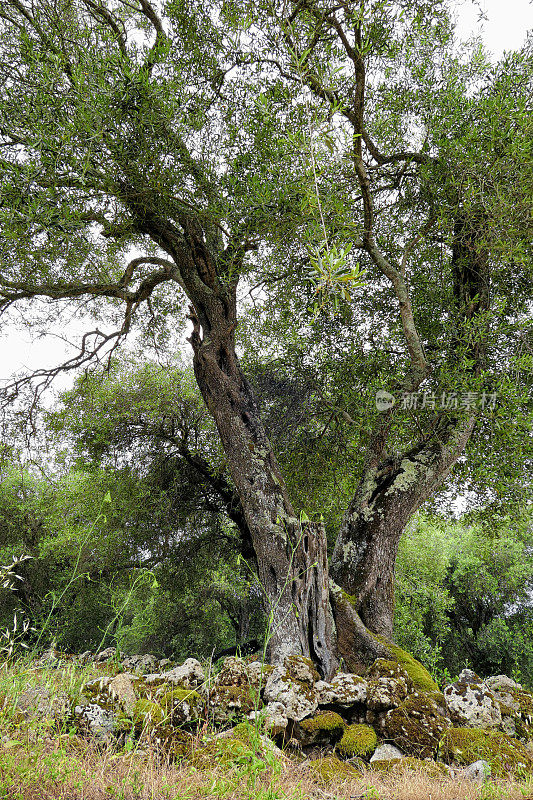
[(385, 668), (301, 670), (121, 689), (37, 702), (386, 752), (332, 770), (164, 664), (298, 698), (96, 721), (50, 658), (516, 706), (182, 705), (96, 691), (189, 675), (385, 693), (275, 718), (418, 674), (469, 702), (464, 746), (105, 655), (416, 725), (357, 740), (501, 683), (258, 673), (147, 715), (344, 690), (228, 703), (232, 695), (155, 678), (233, 672), (478, 771), (140, 665), (388, 685), (85, 657), (326, 727), (241, 744)]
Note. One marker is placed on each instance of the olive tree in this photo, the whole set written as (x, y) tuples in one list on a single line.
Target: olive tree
[(155, 157)]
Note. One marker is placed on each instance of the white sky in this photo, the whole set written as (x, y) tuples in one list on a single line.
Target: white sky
[(505, 29)]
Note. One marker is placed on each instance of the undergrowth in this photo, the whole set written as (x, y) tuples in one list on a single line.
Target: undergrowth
[(42, 759)]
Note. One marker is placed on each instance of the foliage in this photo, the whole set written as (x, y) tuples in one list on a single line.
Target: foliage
[(236, 145), (464, 595), (131, 577)]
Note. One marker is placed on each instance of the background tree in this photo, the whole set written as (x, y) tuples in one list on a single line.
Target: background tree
[(201, 139), (464, 593)]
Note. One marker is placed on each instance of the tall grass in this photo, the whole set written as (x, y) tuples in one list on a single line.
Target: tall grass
[(43, 760)]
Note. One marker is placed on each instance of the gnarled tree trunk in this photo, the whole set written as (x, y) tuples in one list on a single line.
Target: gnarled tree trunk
[(350, 617), (291, 556), (365, 553)]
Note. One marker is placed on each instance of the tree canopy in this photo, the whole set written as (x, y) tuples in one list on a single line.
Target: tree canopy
[(338, 196)]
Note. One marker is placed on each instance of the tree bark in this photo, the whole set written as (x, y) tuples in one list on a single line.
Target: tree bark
[(308, 615), (291, 555), (388, 495), (392, 489)]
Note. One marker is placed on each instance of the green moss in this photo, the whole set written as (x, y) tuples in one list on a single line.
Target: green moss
[(418, 673), (431, 769), (504, 754), (147, 713), (358, 740), (177, 696), (332, 770), (324, 727), (324, 721), (416, 726)]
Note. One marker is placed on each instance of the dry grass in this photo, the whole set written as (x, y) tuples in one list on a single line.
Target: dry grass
[(39, 762), (52, 770)]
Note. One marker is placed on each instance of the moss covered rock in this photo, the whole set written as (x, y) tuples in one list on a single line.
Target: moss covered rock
[(182, 705), (470, 703), (189, 675), (121, 689), (147, 714), (385, 693), (504, 754), (242, 744), (302, 670), (516, 706), (91, 719), (418, 674), (332, 770), (357, 740), (344, 690), (299, 697), (229, 703), (221, 752), (176, 744), (324, 728), (233, 672), (416, 726)]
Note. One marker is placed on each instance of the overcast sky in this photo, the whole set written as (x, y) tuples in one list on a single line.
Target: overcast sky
[(504, 29)]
